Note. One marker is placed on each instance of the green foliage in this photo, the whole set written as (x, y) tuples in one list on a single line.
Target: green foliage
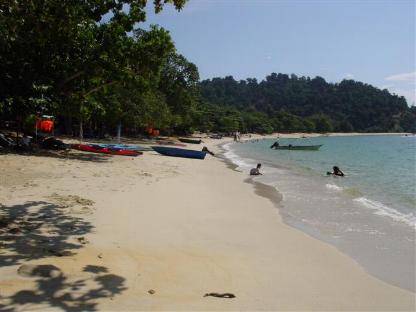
[(322, 123), (293, 103), (179, 80), (408, 120), (95, 63), (29, 124), (344, 126), (257, 122)]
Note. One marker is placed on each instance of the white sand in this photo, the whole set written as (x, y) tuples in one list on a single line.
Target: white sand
[(177, 226)]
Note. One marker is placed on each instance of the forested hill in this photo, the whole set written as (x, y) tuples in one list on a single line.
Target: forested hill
[(286, 103)]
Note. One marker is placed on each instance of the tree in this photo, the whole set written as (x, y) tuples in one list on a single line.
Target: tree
[(179, 79), (76, 48), (322, 123), (408, 120)]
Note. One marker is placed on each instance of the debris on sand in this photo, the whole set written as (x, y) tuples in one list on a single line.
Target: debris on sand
[(218, 295), (82, 240)]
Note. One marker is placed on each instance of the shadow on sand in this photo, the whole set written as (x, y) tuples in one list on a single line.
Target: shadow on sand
[(65, 154), (40, 229), (54, 289)]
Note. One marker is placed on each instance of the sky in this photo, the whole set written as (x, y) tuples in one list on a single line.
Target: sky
[(372, 41)]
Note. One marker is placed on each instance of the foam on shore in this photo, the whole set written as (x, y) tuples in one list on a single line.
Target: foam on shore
[(364, 229)]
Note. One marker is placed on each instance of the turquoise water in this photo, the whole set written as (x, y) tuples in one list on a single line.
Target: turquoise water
[(369, 214), (381, 167)]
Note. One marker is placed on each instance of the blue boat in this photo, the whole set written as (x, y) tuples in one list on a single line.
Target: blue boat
[(124, 146), (179, 152)]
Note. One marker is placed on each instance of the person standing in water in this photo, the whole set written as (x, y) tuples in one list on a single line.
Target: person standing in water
[(336, 171)]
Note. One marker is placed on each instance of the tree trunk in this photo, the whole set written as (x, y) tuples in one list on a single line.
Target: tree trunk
[(81, 131), (68, 125), (119, 132)]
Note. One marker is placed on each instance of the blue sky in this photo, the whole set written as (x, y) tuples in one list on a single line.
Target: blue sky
[(369, 40)]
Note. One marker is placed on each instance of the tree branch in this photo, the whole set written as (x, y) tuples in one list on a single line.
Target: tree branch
[(74, 76), (99, 87)]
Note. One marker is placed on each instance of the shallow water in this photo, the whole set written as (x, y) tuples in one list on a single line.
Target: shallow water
[(370, 214)]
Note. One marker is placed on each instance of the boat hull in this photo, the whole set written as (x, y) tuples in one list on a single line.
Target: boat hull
[(179, 152), (123, 146), (298, 147), (190, 141), (171, 143), (105, 150)]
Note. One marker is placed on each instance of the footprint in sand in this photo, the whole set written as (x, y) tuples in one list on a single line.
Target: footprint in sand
[(71, 200), (75, 203), (81, 210)]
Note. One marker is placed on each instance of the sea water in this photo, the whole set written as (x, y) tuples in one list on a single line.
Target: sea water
[(370, 214)]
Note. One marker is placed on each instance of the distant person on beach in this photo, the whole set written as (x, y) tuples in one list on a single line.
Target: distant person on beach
[(256, 171), (336, 171), (275, 144)]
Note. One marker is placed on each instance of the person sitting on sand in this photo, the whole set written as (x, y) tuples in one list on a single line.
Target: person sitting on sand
[(336, 171), (205, 149), (275, 144), (256, 171)]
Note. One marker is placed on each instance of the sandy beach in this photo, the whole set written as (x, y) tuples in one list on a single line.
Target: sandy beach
[(84, 232)]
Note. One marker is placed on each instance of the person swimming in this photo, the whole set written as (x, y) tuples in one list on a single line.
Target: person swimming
[(336, 171)]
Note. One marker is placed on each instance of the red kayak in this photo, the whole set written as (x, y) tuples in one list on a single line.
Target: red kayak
[(105, 150)]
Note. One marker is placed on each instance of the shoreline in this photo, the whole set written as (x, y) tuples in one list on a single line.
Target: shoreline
[(349, 251), (181, 228), (259, 188), (304, 135)]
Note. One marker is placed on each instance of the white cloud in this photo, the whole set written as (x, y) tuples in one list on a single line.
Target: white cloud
[(389, 86), (403, 85), (410, 95), (402, 77), (348, 76)]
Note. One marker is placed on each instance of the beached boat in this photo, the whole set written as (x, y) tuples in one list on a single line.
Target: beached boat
[(216, 136), (298, 147), (179, 152), (105, 150), (123, 146), (190, 141), (171, 143)]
